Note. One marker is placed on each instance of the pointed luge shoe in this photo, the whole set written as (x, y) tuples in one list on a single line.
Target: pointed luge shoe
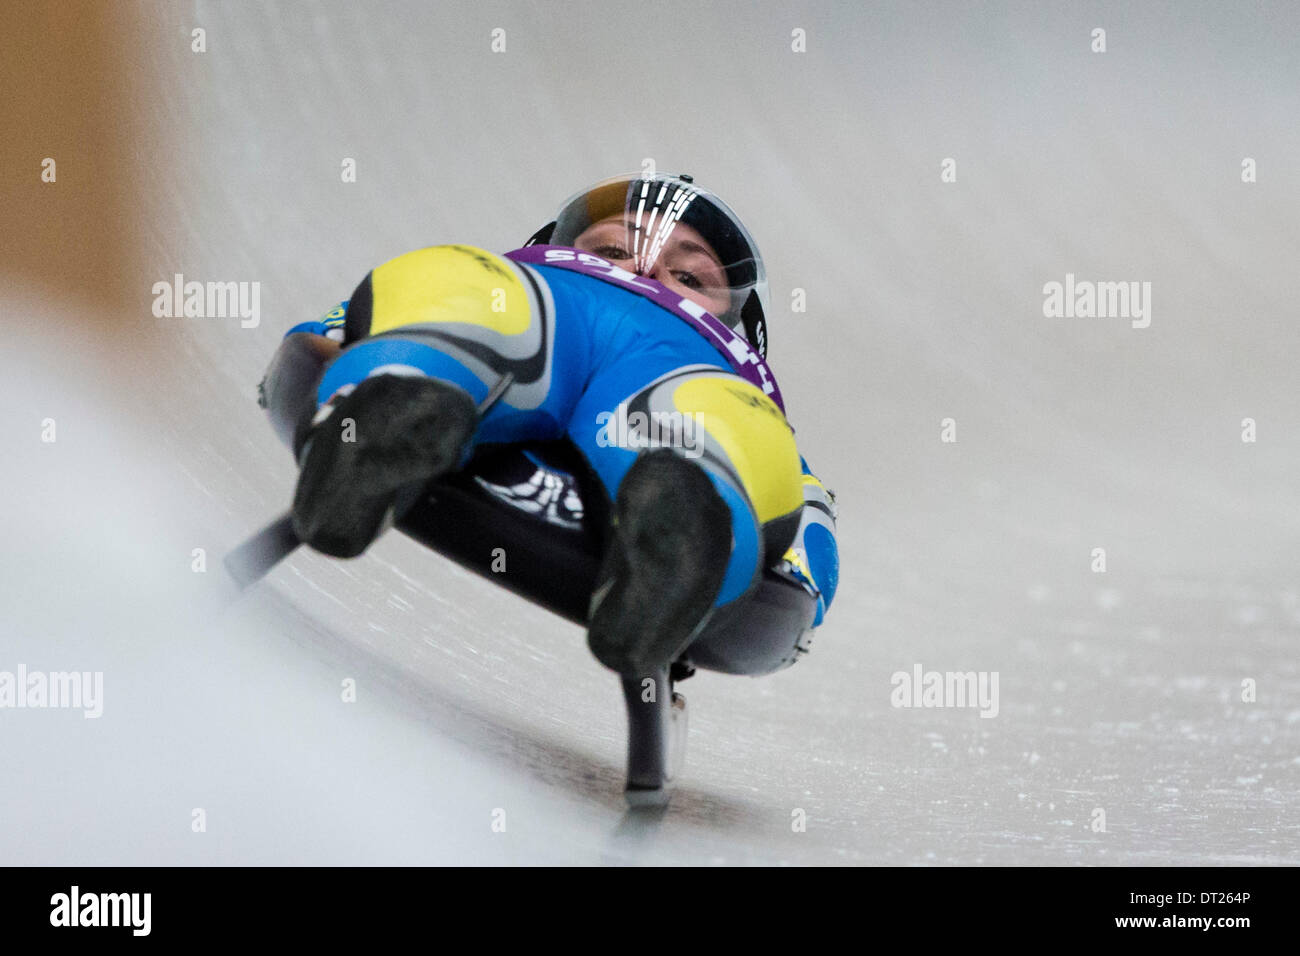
[(664, 565), (386, 439)]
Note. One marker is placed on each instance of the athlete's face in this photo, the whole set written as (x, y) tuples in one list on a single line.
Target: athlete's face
[(686, 263)]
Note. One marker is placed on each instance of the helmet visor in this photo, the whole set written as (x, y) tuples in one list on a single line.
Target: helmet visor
[(673, 231)]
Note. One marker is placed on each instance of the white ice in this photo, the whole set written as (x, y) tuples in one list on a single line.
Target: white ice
[(1120, 692)]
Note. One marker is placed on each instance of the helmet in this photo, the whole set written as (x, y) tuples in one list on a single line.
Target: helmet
[(643, 212)]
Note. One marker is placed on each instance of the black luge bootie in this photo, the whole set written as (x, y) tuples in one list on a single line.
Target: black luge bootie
[(382, 442), (664, 565)]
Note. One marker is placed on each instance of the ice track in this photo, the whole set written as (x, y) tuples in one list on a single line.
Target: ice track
[(1119, 691)]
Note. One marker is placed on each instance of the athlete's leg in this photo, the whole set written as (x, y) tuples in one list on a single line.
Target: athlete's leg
[(696, 520), (435, 333)]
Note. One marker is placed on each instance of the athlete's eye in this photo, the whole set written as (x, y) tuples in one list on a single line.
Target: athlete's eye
[(688, 279), (611, 251)]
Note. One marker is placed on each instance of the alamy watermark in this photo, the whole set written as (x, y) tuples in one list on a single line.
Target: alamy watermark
[(208, 300), (637, 430), (1085, 299), (75, 908), (66, 690), (922, 688)]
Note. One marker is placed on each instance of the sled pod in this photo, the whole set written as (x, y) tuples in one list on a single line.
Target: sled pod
[(548, 563), (288, 389)]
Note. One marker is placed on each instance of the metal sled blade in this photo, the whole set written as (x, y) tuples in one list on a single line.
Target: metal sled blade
[(656, 737), (249, 562)]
